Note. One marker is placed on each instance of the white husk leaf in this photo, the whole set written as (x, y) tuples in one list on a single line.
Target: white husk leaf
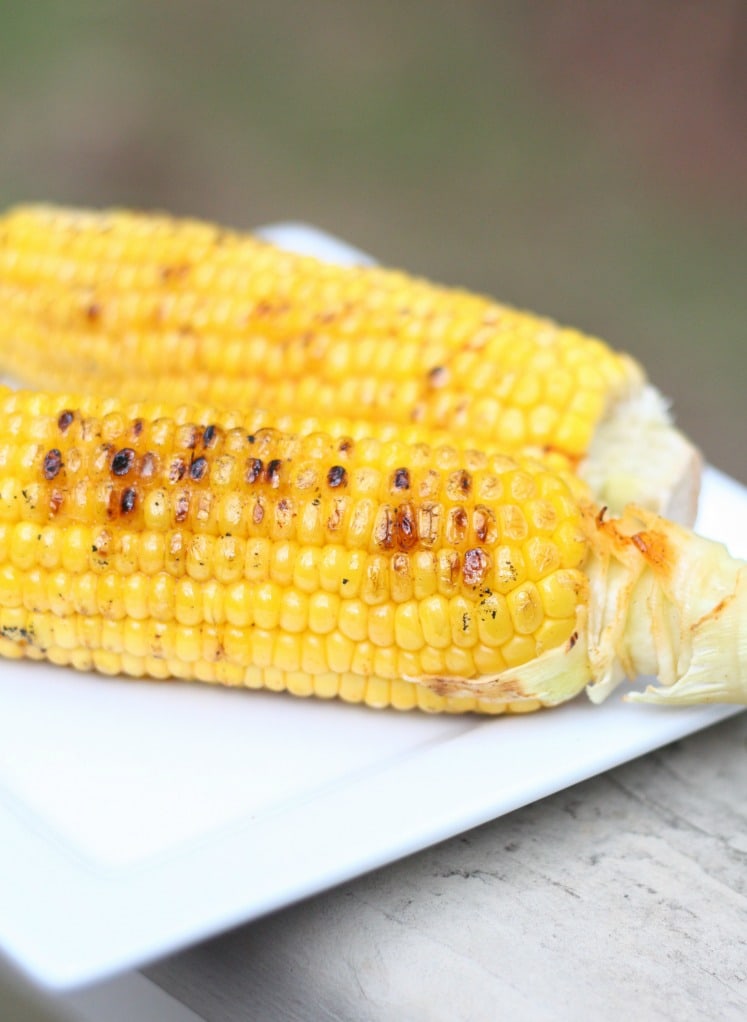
[(638, 457)]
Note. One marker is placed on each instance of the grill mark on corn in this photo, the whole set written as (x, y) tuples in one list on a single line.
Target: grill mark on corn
[(209, 435), (123, 461), (272, 472), (198, 469), (337, 477), (52, 463), (128, 500), (406, 535), (65, 420), (253, 469), (475, 566)]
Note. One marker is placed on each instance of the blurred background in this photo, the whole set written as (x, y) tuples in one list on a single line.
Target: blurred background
[(585, 158)]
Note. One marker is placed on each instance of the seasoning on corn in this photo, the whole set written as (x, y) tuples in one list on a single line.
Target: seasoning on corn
[(134, 306), (187, 545)]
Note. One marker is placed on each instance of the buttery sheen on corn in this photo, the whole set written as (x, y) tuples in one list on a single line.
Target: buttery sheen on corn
[(189, 544), (137, 305)]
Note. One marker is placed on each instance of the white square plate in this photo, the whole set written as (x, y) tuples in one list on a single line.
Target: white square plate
[(138, 817)]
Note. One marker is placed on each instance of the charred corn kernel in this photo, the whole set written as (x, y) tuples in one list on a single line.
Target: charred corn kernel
[(507, 587), (188, 311)]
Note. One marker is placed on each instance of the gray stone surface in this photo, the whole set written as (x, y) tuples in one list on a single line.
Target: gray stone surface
[(625, 896)]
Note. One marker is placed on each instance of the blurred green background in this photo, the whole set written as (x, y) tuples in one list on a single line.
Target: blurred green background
[(584, 159)]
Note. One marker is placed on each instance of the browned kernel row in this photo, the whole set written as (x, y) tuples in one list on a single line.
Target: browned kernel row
[(221, 316), (272, 551)]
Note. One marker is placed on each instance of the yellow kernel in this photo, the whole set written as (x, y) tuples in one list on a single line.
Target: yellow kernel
[(294, 611), (400, 578), (572, 543), (512, 523), (363, 657), (287, 652), (519, 650), (257, 562), (23, 544), (510, 568), (135, 638), (136, 593), (460, 662), (151, 552), (488, 659), (553, 632), (429, 701), (187, 642), (432, 661), (106, 662), (542, 557), (449, 573), (377, 693), (435, 621), (402, 694), (462, 622), (562, 591), (299, 684), (282, 559), (352, 687), (273, 678), (237, 642), (157, 511), (33, 593), (424, 573), (326, 685), (525, 608), (263, 644), (187, 602), (237, 604), (386, 662), (511, 429), (230, 558), (353, 619), (58, 587), (266, 603), (162, 597), (306, 569), (408, 631), (523, 705), (200, 556), (212, 602), (381, 624), (313, 653), (110, 596), (339, 652), (324, 611), (375, 584), (10, 586), (331, 567), (494, 626)]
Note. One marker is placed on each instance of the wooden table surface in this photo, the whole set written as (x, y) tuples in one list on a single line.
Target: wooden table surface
[(624, 896)]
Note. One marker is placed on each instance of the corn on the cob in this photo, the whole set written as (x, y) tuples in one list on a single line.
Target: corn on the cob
[(135, 306), (180, 544)]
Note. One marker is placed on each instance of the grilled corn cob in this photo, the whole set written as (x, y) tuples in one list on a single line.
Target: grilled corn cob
[(135, 306), (145, 541)]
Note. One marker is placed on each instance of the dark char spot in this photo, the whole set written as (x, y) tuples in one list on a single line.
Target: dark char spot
[(123, 461), (337, 476), (129, 498), (401, 479), (52, 463), (253, 469), (65, 420), (198, 468)]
